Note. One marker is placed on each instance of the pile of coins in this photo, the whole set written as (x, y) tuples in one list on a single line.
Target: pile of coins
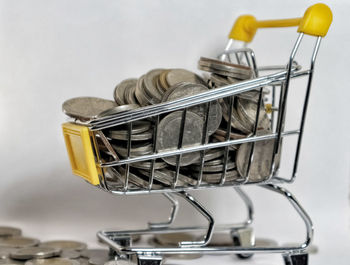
[(16, 249), (163, 85)]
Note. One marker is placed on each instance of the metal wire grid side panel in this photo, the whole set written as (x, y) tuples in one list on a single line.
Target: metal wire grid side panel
[(110, 165)]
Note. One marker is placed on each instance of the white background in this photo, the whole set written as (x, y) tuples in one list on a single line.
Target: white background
[(51, 51)]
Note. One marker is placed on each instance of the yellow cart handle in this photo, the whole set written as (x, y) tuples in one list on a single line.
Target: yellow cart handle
[(316, 22)]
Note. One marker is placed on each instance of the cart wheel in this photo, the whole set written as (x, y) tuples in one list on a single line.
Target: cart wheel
[(243, 237), (296, 259), (237, 242)]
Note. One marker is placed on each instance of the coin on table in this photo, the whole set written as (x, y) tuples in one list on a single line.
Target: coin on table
[(9, 261), (169, 132), (183, 90), (86, 108), (70, 254), (95, 252), (173, 239), (119, 91), (35, 253), (221, 239), (18, 242), (7, 231), (265, 242), (118, 109), (5, 252), (260, 166), (175, 76), (65, 244), (150, 86), (247, 110), (52, 261)]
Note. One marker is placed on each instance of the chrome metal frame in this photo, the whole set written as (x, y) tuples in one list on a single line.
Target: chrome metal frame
[(120, 241)]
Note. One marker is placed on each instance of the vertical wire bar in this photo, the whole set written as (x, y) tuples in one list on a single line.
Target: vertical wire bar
[(307, 96), (204, 140), (228, 46), (179, 146), (98, 155), (283, 104), (237, 58), (227, 137), (255, 67), (255, 128), (273, 102), (155, 131), (127, 166)]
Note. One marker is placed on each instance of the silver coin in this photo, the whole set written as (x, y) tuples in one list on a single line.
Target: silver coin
[(134, 179), (150, 84), (173, 239), (265, 242), (147, 165), (169, 131), (98, 260), (219, 138), (65, 244), (236, 121), (166, 177), (118, 109), (18, 242), (141, 95), (70, 254), (52, 261), (86, 108), (233, 135), (187, 89), (8, 261), (214, 178), (223, 80), (134, 137), (214, 168), (5, 252), (175, 76), (35, 252), (135, 150), (211, 154), (260, 166), (120, 89), (137, 127), (224, 68), (247, 109), (153, 242), (83, 261), (97, 252), (7, 231), (130, 95)]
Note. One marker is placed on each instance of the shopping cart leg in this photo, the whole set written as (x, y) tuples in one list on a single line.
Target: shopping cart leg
[(296, 259), (174, 209), (205, 213)]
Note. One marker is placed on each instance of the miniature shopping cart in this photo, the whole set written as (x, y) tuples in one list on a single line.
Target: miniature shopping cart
[(87, 145)]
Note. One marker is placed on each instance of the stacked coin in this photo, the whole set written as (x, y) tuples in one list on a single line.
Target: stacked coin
[(140, 138), (16, 249)]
